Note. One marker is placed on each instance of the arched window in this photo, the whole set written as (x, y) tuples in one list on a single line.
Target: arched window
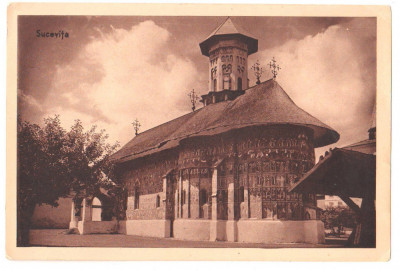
[(239, 83), (215, 85), (203, 197), (241, 194), (137, 196)]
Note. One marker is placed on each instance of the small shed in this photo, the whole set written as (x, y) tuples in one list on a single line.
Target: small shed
[(347, 173)]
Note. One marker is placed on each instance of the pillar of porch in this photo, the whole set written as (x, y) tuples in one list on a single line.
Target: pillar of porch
[(86, 211), (74, 221)]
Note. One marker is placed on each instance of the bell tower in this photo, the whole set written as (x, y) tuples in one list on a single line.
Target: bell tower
[(227, 47)]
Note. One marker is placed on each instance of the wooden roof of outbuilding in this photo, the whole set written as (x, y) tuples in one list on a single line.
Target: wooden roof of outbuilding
[(341, 172), (262, 105)]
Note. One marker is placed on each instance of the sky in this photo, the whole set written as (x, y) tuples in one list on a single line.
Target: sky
[(114, 69)]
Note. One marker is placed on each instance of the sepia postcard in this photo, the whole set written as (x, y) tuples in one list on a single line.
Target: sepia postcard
[(198, 132)]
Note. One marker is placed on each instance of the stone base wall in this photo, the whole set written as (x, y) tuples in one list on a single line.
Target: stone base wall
[(250, 231), (92, 227), (192, 229), (273, 232), (48, 217), (151, 228)]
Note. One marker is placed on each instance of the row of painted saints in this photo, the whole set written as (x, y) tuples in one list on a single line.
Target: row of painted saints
[(249, 146)]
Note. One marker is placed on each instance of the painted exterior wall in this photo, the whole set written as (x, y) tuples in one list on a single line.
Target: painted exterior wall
[(200, 190), (48, 217)]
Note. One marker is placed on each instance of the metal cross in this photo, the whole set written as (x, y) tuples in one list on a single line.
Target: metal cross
[(136, 125), (274, 68), (193, 99), (257, 71)]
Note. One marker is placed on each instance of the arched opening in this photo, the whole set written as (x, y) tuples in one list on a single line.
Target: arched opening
[(96, 209), (239, 83), (241, 194), (203, 197)]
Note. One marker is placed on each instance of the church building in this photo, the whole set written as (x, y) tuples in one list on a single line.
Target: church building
[(223, 171)]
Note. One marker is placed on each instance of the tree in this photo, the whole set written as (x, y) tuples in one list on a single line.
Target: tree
[(338, 217), (54, 163)]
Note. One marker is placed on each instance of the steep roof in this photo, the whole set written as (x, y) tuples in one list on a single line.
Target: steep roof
[(263, 104), (228, 28)]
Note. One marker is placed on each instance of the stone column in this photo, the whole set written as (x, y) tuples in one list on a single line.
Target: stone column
[(214, 206), (86, 214), (86, 217), (164, 197), (214, 190), (195, 197), (244, 206), (74, 222), (180, 195), (177, 203), (231, 225)]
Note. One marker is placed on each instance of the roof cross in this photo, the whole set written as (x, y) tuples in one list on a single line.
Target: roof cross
[(136, 125), (258, 71), (193, 99), (274, 68)]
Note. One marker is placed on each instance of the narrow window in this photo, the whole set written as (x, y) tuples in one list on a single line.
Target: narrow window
[(241, 194), (137, 196), (184, 197), (239, 83), (215, 85), (158, 201), (203, 197)]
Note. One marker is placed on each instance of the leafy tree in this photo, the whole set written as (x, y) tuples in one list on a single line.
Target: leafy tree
[(338, 217), (54, 163)]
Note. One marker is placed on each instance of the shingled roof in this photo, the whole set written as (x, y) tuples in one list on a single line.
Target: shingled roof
[(228, 28), (261, 105)]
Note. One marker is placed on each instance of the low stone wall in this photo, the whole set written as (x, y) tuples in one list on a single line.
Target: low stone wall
[(152, 228), (48, 217), (90, 227)]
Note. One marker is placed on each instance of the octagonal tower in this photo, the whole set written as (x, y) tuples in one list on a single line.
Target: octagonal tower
[(227, 48)]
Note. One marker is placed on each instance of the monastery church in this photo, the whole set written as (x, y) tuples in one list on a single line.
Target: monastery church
[(222, 172)]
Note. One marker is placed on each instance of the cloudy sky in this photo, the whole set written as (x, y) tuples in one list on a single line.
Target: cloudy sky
[(112, 70)]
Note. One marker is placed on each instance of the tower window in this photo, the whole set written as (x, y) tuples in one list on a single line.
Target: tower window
[(227, 82), (239, 83)]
